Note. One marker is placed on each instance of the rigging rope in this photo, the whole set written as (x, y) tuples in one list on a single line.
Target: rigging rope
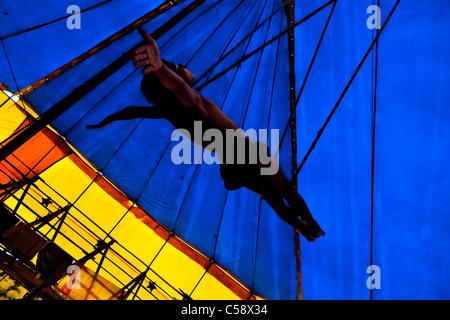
[(247, 56), (319, 134), (13, 75), (179, 34), (217, 28), (191, 181), (374, 113), (306, 78), (254, 79), (56, 20), (108, 161), (291, 116), (245, 114), (240, 42), (268, 126), (226, 191), (260, 199)]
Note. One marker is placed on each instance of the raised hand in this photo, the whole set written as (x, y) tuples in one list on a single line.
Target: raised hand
[(147, 56)]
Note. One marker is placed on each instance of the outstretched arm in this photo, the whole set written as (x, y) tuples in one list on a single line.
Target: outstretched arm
[(129, 113), (147, 56)]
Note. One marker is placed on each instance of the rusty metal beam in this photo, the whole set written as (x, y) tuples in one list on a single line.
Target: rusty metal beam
[(78, 93), (290, 15), (165, 6)]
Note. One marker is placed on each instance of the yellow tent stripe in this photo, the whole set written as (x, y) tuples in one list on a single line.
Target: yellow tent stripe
[(100, 211)]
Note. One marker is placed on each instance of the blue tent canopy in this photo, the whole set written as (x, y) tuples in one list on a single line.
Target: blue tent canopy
[(389, 131)]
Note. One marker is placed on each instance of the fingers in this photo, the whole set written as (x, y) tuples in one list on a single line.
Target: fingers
[(139, 57), (148, 69), (146, 55), (139, 50), (140, 60), (145, 35), (141, 63), (145, 63)]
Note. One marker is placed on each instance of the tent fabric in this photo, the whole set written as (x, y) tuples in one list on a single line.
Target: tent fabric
[(410, 204), (173, 195), (37, 154), (384, 148), (104, 207), (46, 145), (99, 19), (89, 286)]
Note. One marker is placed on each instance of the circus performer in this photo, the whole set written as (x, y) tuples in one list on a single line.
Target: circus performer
[(168, 87)]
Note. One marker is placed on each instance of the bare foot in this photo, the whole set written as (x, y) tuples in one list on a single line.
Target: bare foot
[(298, 205), (311, 232)]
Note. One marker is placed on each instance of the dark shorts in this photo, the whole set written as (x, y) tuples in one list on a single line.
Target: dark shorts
[(237, 175)]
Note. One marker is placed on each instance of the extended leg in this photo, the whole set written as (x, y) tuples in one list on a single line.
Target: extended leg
[(274, 189), (297, 203), (288, 215)]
